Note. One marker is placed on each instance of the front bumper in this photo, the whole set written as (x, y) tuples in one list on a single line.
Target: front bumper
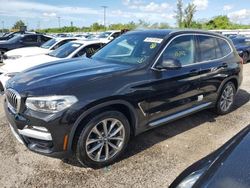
[(46, 138)]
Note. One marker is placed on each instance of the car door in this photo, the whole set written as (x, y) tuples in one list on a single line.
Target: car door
[(30, 40), (175, 90), (214, 57)]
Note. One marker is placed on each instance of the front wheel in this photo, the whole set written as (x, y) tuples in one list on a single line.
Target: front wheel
[(103, 139), (226, 100)]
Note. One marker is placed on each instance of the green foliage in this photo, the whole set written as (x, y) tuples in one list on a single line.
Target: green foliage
[(189, 15), (18, 25), (179, 13), (184, 16)]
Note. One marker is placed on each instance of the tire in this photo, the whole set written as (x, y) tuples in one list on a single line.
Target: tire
[(93, 143), (245, 57), (226, 99)]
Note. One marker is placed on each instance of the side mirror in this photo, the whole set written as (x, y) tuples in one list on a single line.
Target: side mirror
[(169, 64)]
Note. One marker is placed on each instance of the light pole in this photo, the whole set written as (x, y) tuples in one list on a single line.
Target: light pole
[(2, 26), (59, 21), (104, 15)]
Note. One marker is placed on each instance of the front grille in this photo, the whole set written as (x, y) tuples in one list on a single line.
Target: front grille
[(14, 99)]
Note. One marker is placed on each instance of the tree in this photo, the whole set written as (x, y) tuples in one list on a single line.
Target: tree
[(189, 15), (179, 13), (18, 25), (219, 22)]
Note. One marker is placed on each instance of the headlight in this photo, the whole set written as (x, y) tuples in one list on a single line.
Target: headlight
[(13, 57), (11, 74), (240, 52), (50, 104), (190, 180)]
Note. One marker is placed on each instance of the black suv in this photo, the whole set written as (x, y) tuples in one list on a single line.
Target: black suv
[(23, 40), (143, 79)]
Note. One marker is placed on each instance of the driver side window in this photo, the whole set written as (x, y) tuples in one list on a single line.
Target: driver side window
[(181, 49)]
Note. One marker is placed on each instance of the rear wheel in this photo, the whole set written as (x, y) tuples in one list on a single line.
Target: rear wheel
[(226, 100), (103, 139)]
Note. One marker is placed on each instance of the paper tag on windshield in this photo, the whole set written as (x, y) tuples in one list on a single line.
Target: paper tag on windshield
[(155, 40)]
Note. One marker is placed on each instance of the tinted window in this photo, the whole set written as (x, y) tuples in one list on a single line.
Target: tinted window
[(181, 49), (49, 43), (209, 48), (65, 50), (88, 51), (62, 43), (224, 46), (30, 39), (115, 35), (45, 39)]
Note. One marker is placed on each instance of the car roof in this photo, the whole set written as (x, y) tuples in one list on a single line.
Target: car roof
[(167, 32), (86, 42)]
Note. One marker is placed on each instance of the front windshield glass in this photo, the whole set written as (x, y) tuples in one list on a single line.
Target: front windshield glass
[(132, 48), (65, 50), (104, 35), (49, 43)]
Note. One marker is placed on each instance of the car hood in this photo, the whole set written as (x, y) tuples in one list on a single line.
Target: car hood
[(24, 63), (27, 51), (68, 73)]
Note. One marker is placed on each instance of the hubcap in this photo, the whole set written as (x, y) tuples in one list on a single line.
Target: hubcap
[(227, 98), (105, 140)]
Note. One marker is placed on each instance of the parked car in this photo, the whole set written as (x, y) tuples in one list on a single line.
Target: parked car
[(91, 107), (242, 45), (227, 167), (52, 44), (69, 50), (106, 36), (10, 35), (20, 41)]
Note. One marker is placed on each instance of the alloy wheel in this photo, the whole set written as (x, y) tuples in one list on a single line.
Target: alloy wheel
[(227, 98), (105, 140)]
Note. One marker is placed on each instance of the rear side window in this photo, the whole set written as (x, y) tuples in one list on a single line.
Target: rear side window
[(209, 48), (30, 38), (224, 46)]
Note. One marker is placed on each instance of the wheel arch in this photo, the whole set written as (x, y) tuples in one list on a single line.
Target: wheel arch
[(120, 105), (233, 79)]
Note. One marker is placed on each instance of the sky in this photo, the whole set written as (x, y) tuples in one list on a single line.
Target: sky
[(45, 13)]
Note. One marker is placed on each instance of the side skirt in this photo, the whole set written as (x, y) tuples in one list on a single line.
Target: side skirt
[(179, 115)]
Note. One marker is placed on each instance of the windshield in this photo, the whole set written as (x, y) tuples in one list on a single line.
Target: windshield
[(104, 35), (65, 50), (49, 43), (133, 49)]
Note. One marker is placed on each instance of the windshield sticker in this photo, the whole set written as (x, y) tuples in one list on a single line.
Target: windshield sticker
[(153, 45), (75, 45), (153, 40)]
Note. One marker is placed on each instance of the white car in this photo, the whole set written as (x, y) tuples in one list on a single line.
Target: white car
[(107, 36), (47, 47), (69, 50)]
